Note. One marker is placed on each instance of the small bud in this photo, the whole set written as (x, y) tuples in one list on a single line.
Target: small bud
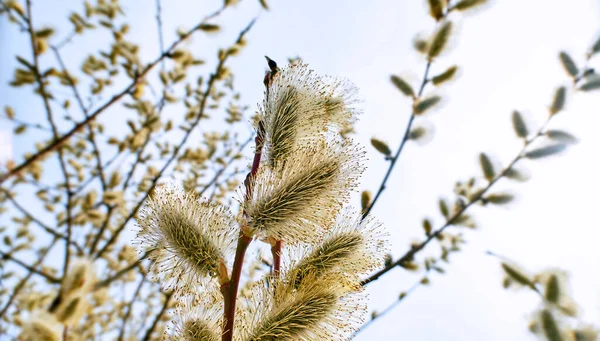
[(558, 101), (545, 151), (486, 166), (439, 40), (444, 76), (403, 86), (427, 227), (568, 64), (519, 125), (381, 146), (365, 200), (424, 104)]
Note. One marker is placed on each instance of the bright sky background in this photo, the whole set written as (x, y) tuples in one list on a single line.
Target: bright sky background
[(508, 59)]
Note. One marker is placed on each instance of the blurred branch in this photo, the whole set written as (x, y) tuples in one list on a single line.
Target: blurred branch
[(220, 172), (85, 112), (205, 96), (45, 96), (390, 307), (130, 308), (416, 248), (25, 279), (48, 277), (62, 139), (148, 335), (106, 282), (35, 220)]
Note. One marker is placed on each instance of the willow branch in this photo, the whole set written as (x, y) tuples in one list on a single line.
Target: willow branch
[(205, 96), (25, 279), (150, 330), (130, 308), (64, 138), (401, 147), (230, 288), (30, 268), (418, 247), (61, 161)]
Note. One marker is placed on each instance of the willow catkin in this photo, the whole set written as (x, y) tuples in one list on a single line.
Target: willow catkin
[(188, 237), (319, 309), (299, 202), (302, 106)]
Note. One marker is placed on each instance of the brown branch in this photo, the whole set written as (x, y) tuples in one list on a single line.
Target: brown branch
[(230, 288), (64, 138), (401, 147), (48, 277), (276, 252), (61, 160), (158, 317), (130, 308), (24, 281), (35, 220), (224, 168), (416, 248), (205, 95)]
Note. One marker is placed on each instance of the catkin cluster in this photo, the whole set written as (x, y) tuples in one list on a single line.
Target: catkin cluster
[(67, 309), (298, 198)]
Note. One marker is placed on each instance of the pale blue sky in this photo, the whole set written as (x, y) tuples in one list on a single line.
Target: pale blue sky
[(508, 59)]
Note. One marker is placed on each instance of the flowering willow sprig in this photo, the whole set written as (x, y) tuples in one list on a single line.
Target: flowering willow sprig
[(189, 238)]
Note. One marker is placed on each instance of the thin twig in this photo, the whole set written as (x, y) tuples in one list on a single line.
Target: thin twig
[(130, 308), (37, 221), (158, 317), (224, 168), (61, 140), (25, 279), (92, 138), (401, 147), (106, 282), (205, 96), (389, 308), (27, 124), (48, 277), (61, 160), (416, 248)]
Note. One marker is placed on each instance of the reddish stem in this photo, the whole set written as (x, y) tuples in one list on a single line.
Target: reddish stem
[(230, 289), (276, 251)]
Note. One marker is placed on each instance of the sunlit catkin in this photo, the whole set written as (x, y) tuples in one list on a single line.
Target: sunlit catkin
[(188, 237), (301, 106), (319, 309), (351, 249), (299, 203)]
